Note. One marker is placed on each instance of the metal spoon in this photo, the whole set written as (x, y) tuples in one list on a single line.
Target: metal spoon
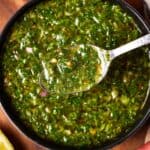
[(105, 57)]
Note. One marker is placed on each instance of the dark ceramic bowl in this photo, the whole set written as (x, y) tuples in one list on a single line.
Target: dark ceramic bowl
[(147, 10), (26, 131)]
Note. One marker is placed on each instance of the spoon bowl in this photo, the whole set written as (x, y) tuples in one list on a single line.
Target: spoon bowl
[(105, 60)]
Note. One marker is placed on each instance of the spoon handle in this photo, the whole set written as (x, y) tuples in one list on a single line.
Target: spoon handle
[(144, 40)]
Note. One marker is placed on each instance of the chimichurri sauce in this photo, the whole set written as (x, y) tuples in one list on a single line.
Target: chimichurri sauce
[(40, 39)]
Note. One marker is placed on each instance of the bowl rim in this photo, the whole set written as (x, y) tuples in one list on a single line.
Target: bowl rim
[(146, 10)]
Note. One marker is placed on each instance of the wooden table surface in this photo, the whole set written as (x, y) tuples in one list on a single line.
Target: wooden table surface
[(20, 141)]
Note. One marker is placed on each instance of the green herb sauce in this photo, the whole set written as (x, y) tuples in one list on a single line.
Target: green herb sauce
[(41, 39)]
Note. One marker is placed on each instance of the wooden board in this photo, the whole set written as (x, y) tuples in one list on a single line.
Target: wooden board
[(20, 141)]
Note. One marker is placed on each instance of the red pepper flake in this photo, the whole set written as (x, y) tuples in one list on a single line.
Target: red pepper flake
[(43, 93)]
